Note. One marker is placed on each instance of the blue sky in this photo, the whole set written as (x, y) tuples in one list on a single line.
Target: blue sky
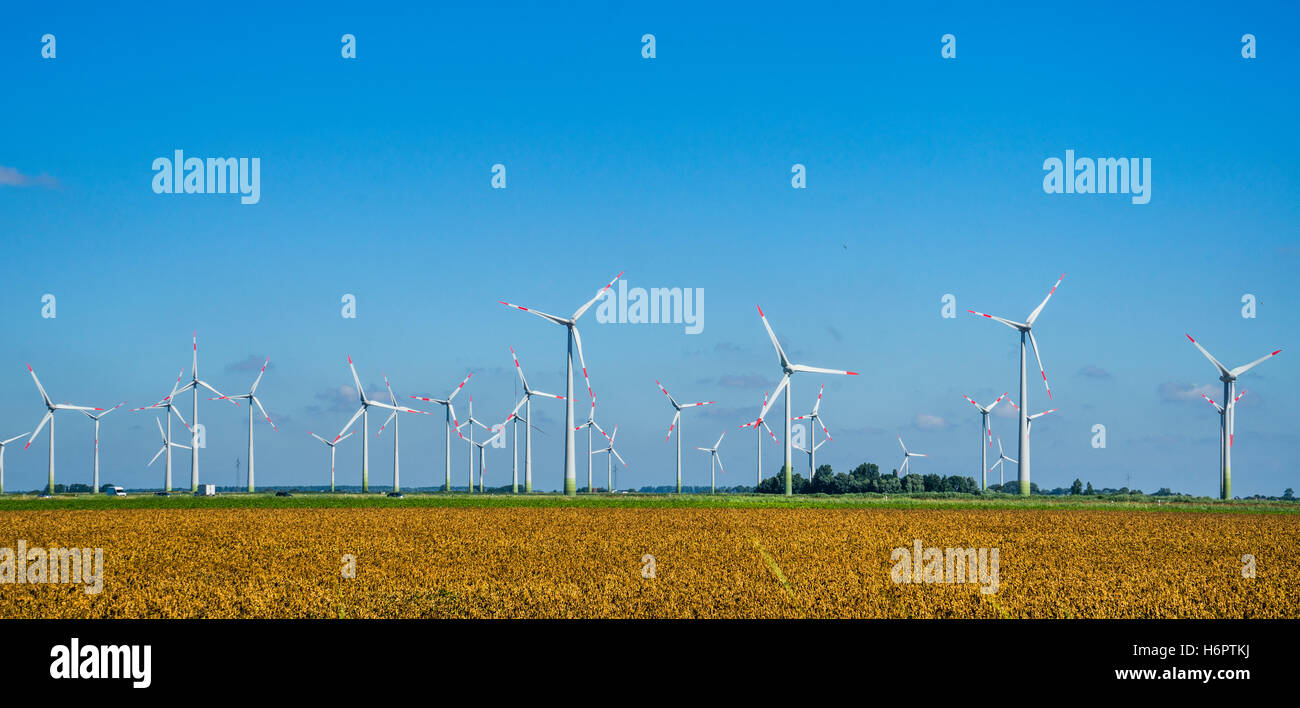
[(924, 178)]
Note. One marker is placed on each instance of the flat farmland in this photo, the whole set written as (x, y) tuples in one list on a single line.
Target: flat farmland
[(544, 562)]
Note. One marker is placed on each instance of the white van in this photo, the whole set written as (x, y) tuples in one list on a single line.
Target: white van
[(115, 492)]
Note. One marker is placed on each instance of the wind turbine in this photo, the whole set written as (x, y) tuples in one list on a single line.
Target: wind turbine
[(1002, 457), (2, 459), (392, 417), (790, 370), (574, 340), (194, 384), (1231, 425), (759, 425), (589, 424), (251, 396), (471, 421), (713, 458), (96, 417), (985, 432), (1026, 331), (332, 443), (169, 403), (1226, 426), (167, 445), (482, 456), (527, 403), (677, 417), (51, 407), (816, 419), (364, 413), (452, 423), (611, 453), (902, 471)]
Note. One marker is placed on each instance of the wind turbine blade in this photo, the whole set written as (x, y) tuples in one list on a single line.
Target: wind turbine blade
[(1039, 359), (539, 313), (669, 395), (543, 394), (264, 414), (16, 437), (39, 387), (39, 428), (767, 405), (162, 434), (390, 388), (458, 388), (1222, 369), (179, 374), (356, 379), (718, 457), (693, 405), (672, 425), (819, 370), (991, 405), (353, 419), (314, 435), (195, 365), (995, 318), (177, 412), (577, 339), (818, 404), (780, 353), (900, 444), (1034, 315), (1211, 400), (390, 418), (258, 380), (341, 438), (519, 369), (1040, 415), (205, 384), (1243, 369), (593, 300), (769, 432), (620, 457), (156, 455), (972, 401), (823, 424), (719, 442)]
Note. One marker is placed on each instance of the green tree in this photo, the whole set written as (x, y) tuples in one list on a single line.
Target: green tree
[(1089, 490), (1076, 488)]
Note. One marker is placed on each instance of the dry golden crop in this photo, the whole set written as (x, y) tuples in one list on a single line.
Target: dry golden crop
[(588, 562)]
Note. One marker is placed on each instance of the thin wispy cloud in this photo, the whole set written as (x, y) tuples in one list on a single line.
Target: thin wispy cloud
[(11, 177), (1092, 371), (1176, 392), (252, 363)]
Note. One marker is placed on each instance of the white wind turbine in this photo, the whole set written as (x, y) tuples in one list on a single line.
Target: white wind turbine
[(167, 444), (1226, 427), (169, 403), (194, 385), (527, 403), (51, 407), (589, 424), (364, 413), (759, 425), (816, 419), (714, 459), (610, 454), (96, 417), (986, 432), (790, 370), (1002, 457), (332, 443), (452, 424), (1026, 331), (482, 455), (251, 397), (902, 470), (677, 417), (3, 443), (574, 341), (1228, 411), (471, 421), (392, 418)]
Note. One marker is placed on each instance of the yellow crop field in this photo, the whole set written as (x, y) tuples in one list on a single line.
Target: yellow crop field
[(651, 563)]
